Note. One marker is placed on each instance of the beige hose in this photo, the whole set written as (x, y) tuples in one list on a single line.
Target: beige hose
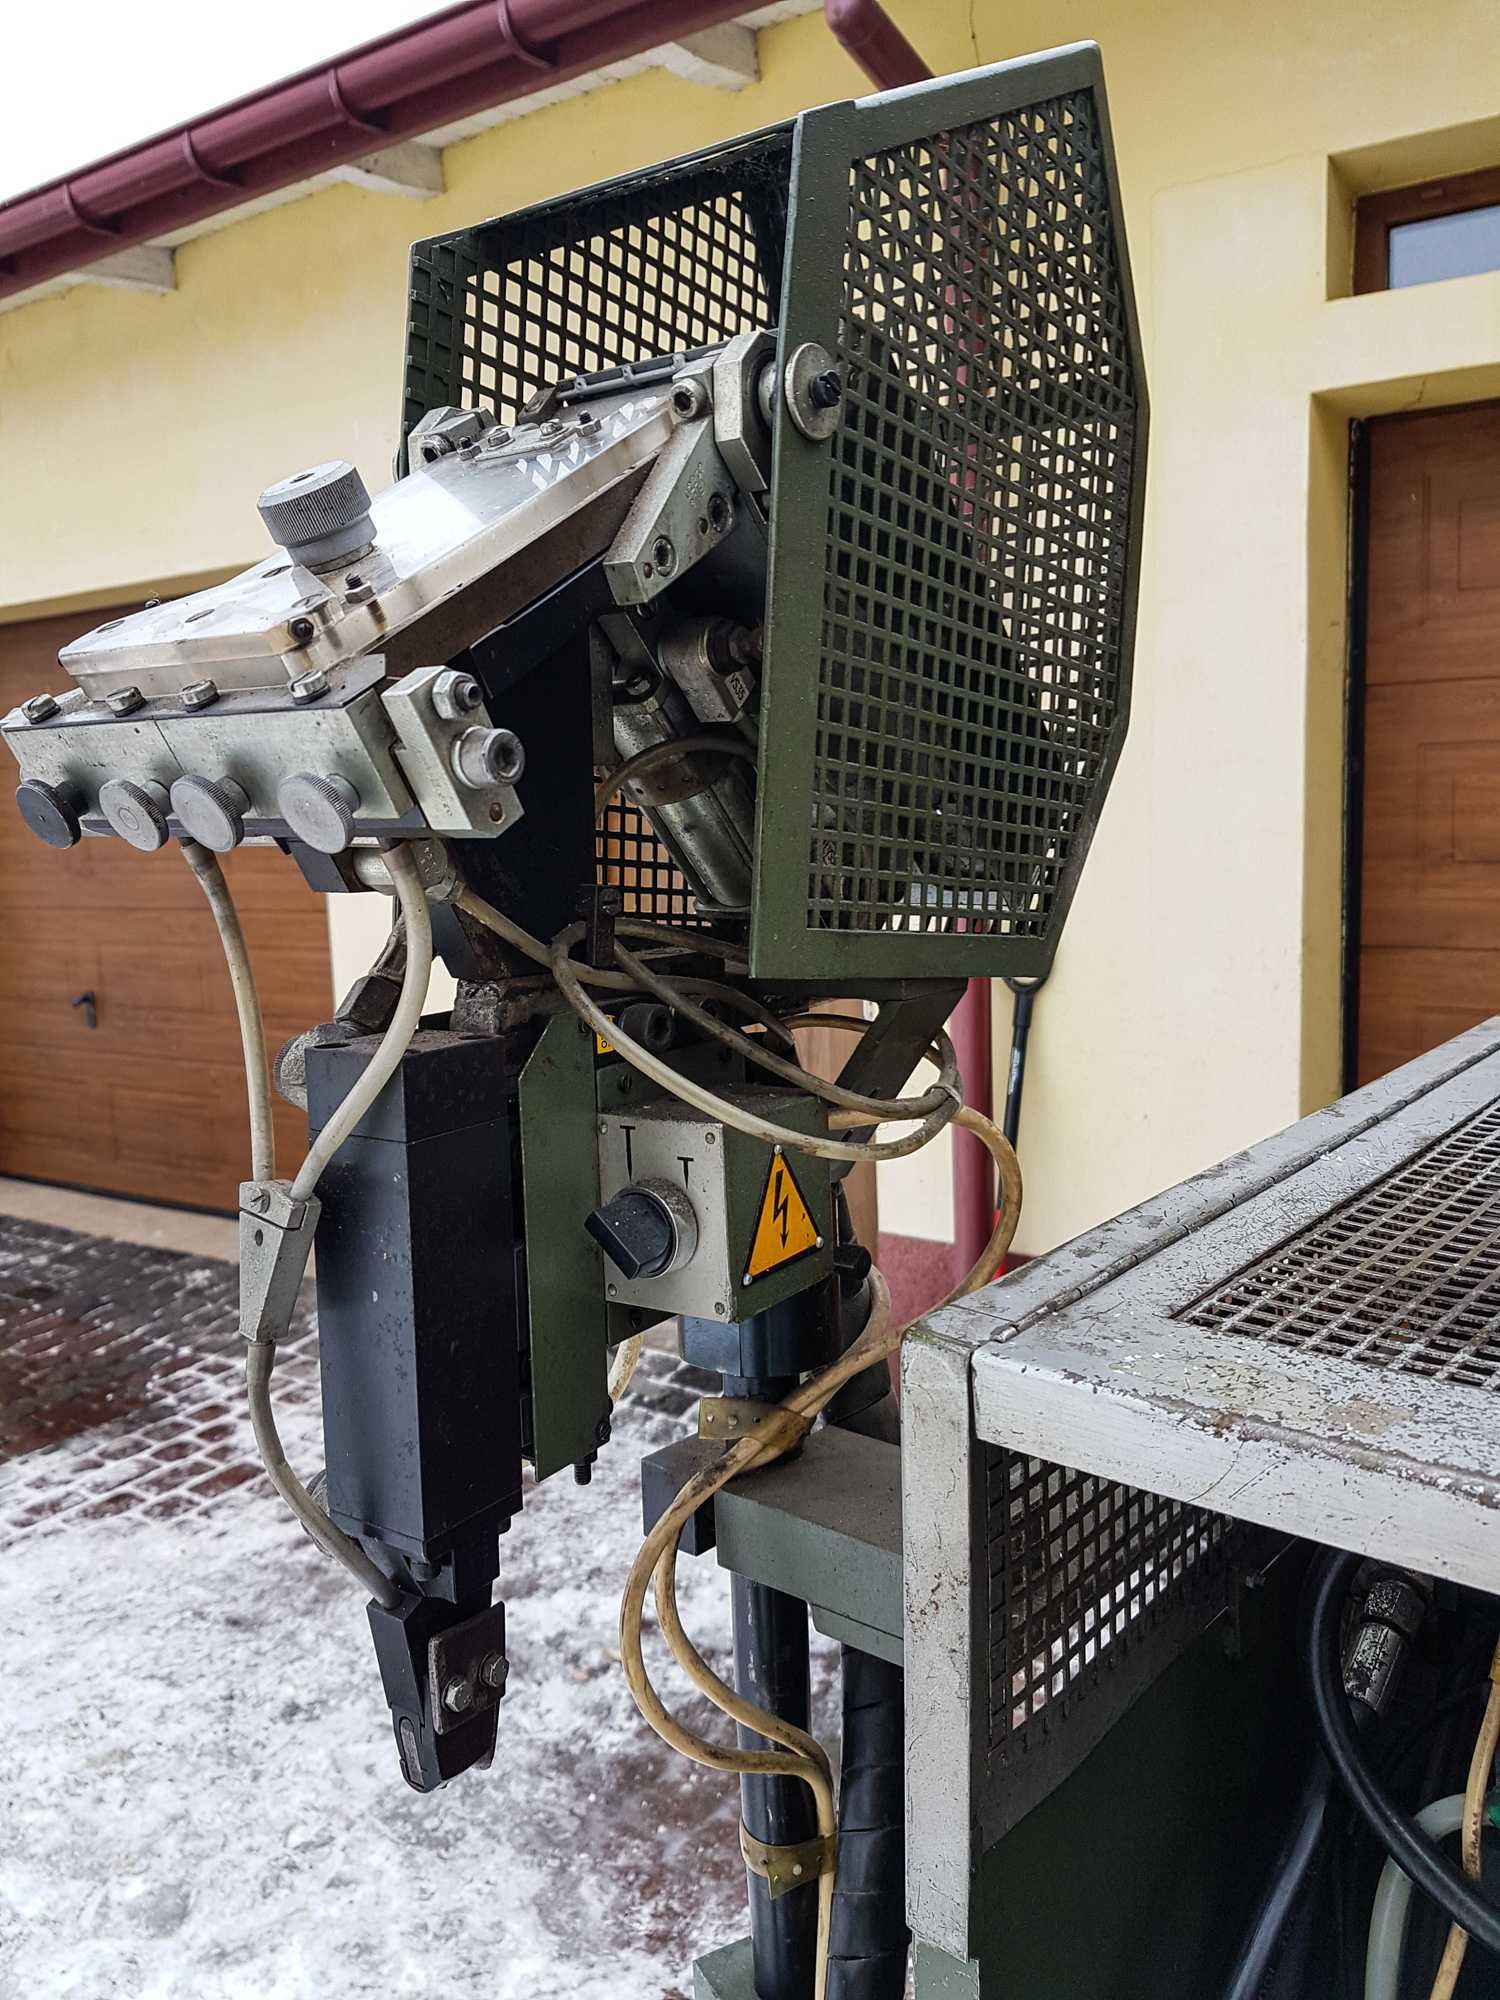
[(210, 876), (260, 1356), (801, 1757), (709, 1101), (1481, 1776), (667, 753)]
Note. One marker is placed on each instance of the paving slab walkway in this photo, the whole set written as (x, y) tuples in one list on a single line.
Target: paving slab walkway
[(202, 1796)]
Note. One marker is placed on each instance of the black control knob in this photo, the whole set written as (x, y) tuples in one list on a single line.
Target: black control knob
[(636, 1232), (49, 812)]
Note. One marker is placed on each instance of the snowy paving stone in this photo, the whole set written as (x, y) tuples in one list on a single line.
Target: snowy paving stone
[(210, 1806)]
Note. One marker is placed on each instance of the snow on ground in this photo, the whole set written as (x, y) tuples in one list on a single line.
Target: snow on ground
[(203, 1797)]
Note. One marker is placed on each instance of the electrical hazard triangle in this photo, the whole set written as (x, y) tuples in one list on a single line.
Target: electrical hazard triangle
[(784, 1228)]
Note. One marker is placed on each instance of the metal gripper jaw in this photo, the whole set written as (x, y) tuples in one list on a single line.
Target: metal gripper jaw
[(444, 1683)]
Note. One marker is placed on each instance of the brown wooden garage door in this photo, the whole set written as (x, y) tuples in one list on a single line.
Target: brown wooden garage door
[(1429, 960), (151, 1102)]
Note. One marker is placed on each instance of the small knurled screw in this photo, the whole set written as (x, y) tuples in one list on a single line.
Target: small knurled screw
[(457, 1696), (40, 707)]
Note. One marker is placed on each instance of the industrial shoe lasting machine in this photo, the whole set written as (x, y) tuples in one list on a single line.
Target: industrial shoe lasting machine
[(750, 622)]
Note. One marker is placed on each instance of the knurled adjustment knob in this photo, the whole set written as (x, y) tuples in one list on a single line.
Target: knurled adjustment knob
[(635, 1232), (49, 811), (320, 811), (136, 812), (320, 517), (211, 811)]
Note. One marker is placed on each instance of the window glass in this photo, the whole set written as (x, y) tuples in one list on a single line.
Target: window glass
[(1443, 246)]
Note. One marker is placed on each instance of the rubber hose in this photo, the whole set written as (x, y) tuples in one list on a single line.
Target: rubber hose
[(1395, 1830), (867, 1956), (1288, 1880)]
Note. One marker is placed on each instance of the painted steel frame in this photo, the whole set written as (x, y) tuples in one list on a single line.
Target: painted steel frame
[(989, 1371)]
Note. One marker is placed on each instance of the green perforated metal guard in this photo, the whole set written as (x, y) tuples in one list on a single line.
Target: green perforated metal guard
[(952, 589), (953, 583)]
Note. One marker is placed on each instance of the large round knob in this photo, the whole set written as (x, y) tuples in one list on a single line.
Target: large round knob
[(320, 517), (649, 1228), (136, 812), (211, 811), (319, 811), (49, 812)]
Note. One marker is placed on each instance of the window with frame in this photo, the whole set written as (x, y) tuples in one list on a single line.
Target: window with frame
[(1418, 235)]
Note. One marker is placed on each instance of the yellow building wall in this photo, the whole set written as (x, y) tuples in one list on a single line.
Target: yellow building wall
[(1195, 1002)]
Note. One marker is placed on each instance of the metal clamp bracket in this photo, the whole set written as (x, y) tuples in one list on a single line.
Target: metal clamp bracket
[(783, 1869), (734, 1418), (276, 1235)]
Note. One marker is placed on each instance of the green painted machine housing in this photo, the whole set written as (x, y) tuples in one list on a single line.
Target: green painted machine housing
[(951, 598)]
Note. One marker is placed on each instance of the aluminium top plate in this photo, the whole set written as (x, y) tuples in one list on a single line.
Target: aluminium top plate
[(441, 529)]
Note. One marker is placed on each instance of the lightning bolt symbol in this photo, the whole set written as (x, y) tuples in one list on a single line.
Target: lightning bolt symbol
[(780, 1206)]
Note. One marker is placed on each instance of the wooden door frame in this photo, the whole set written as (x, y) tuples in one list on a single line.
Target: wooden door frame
[(1357, 626)]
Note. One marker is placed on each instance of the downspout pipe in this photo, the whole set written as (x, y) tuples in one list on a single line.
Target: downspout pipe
[(408, 83), (973, 1174), (864, 30)]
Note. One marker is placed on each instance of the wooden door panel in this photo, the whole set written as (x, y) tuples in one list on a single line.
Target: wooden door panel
[(1429, 960), (1432, 814), (151, 1102), (1412, 1000), (1434, 546)]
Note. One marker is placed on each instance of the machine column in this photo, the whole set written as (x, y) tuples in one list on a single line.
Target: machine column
[(771, 1669)]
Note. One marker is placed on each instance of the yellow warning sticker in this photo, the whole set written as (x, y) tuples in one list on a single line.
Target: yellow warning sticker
[(784, 1228), (601, 1046)]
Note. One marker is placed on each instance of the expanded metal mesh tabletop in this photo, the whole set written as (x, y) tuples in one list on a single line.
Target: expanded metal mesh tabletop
[(1407, 1276), (1319, 1357)]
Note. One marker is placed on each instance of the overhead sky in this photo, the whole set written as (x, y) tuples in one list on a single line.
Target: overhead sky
[(86, 77)]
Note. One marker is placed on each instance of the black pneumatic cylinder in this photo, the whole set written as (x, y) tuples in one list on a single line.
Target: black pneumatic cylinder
[(771, 1669), (867, 1954)]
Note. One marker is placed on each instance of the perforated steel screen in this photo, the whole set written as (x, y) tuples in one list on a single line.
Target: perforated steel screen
[(1406, 1277), (952, 577), (1082, 1572), (979, 500), (678, 258), (976, 521)]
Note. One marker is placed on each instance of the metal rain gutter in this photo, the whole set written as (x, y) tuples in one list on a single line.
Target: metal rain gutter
[(413, 81)]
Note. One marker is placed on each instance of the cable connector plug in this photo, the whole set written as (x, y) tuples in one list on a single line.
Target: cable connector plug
[(276, 1235)]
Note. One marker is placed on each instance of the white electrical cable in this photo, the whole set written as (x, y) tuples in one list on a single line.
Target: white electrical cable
[(382, 1066), (260, 1355), (684, 1087), (667, 753), (210, 878), (1388, 1914)]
